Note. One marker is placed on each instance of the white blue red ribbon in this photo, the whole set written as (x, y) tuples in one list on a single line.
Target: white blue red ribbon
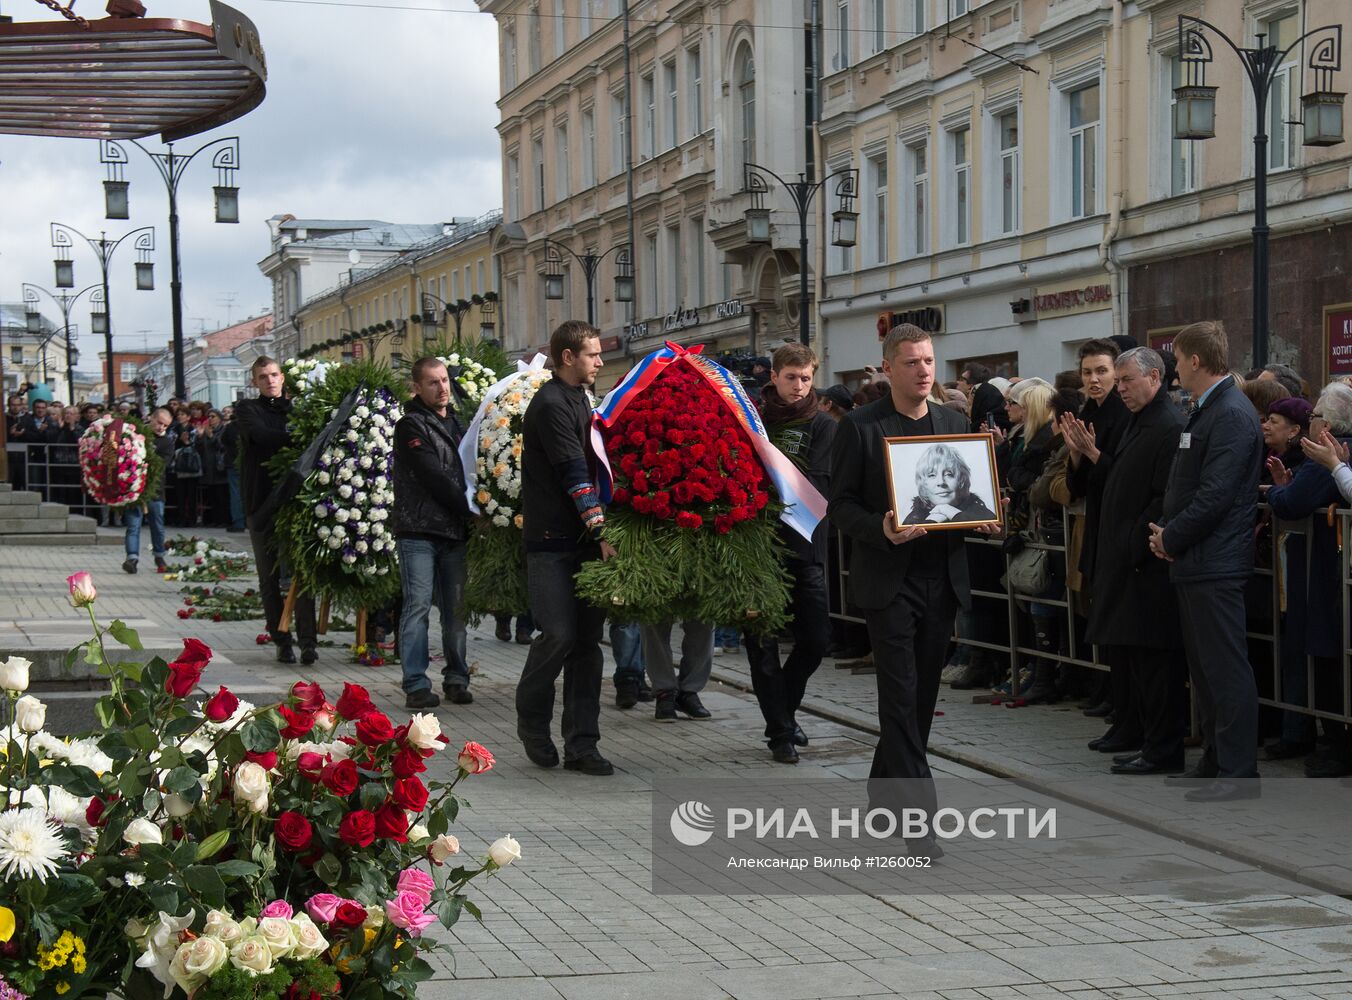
[(469, 444)]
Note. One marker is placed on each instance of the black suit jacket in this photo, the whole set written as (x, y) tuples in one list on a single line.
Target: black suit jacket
[(860, 498)]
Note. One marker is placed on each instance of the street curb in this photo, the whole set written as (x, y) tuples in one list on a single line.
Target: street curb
[(1268, 863)]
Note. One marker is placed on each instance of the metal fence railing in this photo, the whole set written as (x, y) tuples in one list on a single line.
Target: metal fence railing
[(998, 614)]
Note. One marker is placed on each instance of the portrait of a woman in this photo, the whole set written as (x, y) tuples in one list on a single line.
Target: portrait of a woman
[(943, 485)]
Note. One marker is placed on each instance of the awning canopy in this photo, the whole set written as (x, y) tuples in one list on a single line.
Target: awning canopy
[(124, 78)]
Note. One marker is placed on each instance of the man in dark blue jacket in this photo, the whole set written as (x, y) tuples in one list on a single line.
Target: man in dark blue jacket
[(1207, 535), (430, 510)]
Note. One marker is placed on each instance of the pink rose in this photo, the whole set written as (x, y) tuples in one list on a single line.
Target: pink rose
[(474, 759), (277, 908), (322, 906), (418, 883), (406, 910)]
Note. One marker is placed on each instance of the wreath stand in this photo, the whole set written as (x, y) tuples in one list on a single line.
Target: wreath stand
[(322, 615)]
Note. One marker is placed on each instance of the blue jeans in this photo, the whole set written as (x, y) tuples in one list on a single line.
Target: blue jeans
[(431, 571), (626, 645), (134, 517), (236, 504)]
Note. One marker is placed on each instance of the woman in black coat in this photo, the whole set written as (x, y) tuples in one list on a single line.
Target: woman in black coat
[(215, 493)]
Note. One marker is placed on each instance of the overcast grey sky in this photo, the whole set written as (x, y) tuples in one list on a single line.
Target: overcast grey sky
[(370, 113)]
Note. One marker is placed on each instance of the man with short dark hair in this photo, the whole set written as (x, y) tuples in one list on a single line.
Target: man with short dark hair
[(1285, 376), (562, 519), (1206, 534), (263, 433), (430, 511)]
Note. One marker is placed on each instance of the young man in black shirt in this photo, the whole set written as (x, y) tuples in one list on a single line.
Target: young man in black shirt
[(562, 515)]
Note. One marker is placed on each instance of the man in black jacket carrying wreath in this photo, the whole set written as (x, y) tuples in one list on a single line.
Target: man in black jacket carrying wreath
[(562, 519), (263, 433), (430, 511)]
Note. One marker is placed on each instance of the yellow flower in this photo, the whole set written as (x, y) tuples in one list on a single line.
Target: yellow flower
[(77, 965), (6, 924), (62, 987)]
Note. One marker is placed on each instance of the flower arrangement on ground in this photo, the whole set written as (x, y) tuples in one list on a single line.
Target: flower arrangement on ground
[(192, 545), (496, 580), (217, 849), (116, 467), (697, 490), (334, 533), (213, 563), (220, 604)]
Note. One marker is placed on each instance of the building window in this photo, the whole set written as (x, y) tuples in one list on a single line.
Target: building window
[(455, 286), (671, 104), (588, 148), (619, 141), (560, 19), (879, 11), (533, 41), (647, 99), (841, 59), (509, 57), (675, 278), (957, 8), (695, 294), (877, 179), (513, 188), (538, 148), (129, 370), (918, 236), (483, 283), (746, 100), (960, 146), (918, 21), (1282, 142), (650, 267), (562, 180), (1084, 132), (1009, 171), (1182, 152), (469, 286), (695, 84)]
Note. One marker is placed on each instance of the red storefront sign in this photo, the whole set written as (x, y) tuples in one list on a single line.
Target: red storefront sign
[(1337, 340), (1162, 340)]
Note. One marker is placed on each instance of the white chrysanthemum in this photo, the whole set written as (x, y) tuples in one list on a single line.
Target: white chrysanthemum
[(30, 847), (323, 478), (321, 510)]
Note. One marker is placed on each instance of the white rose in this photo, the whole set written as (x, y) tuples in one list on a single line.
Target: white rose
[(351, 435), (423, 730), (354, 421), (142, 831), (323, 531), (345, 491), (504, 851), (323, 478), (14, 673), (349, 558), (252, 955), (309, 941), (223, 927), (443, 847), (30, 714), (340, 516), (197, 961), (360, 498), (321, 510), (361, 548), (251, 786), (176, 805), (363, 412), (280, 935), (335, 542), (375, 918), (418, 832)]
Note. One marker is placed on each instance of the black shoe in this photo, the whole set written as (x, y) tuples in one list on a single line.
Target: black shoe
[(1328, 765), (1113, 744), (666, 706), (1283, 750), (645, 692), (688, 702), (1226, 791), (308, 655), (1200, 773), (1100, 711), (421, 699), (799, 737), (458, 694), (286, 654), (784, 753), (1126, 758), (541, 751), (523, 639), (924, 847), (592, 763), (129, 565), (626, 693), (1140, 765), (503, 633)]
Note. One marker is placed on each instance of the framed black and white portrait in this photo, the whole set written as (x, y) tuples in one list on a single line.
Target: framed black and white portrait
[(944, 481)]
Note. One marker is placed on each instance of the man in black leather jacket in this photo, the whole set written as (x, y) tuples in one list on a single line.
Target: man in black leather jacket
[(430, 511)]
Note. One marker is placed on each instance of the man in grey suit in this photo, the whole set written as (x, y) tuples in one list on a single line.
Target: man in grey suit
[(907, 580), (1207, 537)]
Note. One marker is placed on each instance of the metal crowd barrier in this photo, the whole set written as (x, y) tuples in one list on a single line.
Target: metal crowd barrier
[(53, 472), (1264, 630)]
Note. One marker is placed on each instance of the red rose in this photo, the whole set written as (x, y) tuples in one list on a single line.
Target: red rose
[(97, 807), (195, 651), (340, 777), (221, 706), (183, 677), (185, 612), (294, 831), (374, 729), (407, 762), (688, 519), (310, 765), (348, 915), (391, 823), (217, 617), (722, 524), (355, 702), (308, 696), (266, 760), (298, 723), (358, 828), (410, 794)]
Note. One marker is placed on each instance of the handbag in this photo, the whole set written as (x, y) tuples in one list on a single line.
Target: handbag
[(1029, 573)]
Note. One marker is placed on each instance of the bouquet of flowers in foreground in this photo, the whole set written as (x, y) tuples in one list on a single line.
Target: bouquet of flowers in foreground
[(491, 453), (201, 846)]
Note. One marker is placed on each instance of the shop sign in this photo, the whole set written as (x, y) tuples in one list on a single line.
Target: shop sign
[(636, 331), (680, 319), (1337, 340), (730, 309), (1067, 300), (928, 318), (1162, 340)]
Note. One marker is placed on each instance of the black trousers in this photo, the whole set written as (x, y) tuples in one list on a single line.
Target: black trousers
[(568, 642), (1156, 678), (780, 689), (910, 639), (1222, 679), (271, 572)]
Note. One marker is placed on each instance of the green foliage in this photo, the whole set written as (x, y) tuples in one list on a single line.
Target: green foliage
[(231, 983), (496, 576)]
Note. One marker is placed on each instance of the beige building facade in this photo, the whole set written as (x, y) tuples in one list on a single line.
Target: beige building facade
[(1021, 190)]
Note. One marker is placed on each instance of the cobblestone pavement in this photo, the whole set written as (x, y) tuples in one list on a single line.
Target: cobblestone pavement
[(576, 919)]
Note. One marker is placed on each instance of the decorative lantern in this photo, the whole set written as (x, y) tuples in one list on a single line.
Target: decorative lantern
[(1194, 112), (115, 200), (1322, 112)]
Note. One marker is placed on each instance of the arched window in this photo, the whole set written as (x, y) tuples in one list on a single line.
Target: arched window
[(745, 67)]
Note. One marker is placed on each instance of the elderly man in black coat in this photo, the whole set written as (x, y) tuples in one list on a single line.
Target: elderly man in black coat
[(1139, 616)]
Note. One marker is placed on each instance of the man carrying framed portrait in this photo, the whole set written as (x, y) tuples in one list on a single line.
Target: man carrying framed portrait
[(908, 572)]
